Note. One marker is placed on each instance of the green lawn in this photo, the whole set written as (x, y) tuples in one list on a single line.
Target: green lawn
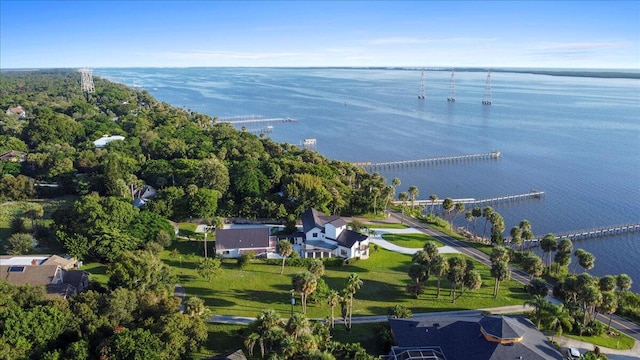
[(246, 292), (620, 341), (410, 240), (385, 225)]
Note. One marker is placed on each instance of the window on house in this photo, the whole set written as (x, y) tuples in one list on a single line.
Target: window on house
[(315, 235), (226, 252), (343, 252)]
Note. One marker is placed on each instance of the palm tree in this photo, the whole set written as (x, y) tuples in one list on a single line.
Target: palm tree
[(609, 305), (413, 193), (304, 283), (516, 235), (623, 282), (499, 253), (459, 207), (559, 319), (250, 342), (476, 212), (486, 213), (469, 217), (433, 198), (395, 183), (500, 271), (527, 233), (587, 261), (353, 285), (456, 278), (284, 248), (540, 305), (532, 265), (448, 205), (316, 267), (333, 299), (578, 253), (548, 244), (266, 331), (439, 267), (297, 326), (375, 192), (472, 280), (403, 197)]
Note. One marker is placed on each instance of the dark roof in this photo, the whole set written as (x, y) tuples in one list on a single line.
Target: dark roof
[(76, 278), (236, 355), (502, 327), (257, 238), (313, 218), (348, 238), (460, 337), (62, 290), (31, 274)]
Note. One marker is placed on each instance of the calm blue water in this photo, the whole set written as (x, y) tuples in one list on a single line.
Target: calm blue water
[(578, 139)]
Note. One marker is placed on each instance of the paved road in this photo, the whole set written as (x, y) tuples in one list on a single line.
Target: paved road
[(617, 322)]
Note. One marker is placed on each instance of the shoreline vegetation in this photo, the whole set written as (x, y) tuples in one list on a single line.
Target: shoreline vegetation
[(588, 73)]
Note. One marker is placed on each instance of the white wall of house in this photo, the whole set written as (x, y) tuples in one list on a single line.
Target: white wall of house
[(315, 234)]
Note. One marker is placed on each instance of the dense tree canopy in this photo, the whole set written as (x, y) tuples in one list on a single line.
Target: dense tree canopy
[(168, 148)]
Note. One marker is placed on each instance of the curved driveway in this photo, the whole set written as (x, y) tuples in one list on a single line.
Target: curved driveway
[(378, 240)]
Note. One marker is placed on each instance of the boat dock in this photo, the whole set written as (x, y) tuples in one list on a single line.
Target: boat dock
[(254, 119), (592, 233), (371, 166), (533, 194)]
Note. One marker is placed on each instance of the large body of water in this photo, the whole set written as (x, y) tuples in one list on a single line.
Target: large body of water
[(577, 139)]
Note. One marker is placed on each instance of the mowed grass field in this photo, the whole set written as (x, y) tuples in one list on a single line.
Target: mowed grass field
[(410, 240), (246, 292)]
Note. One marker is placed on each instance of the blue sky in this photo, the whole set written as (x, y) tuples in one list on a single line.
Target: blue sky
[(574, 34)]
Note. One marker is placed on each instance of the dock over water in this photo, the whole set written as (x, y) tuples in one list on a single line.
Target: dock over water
[(533, 194), (373, 166), (591, 233), (254, 119)]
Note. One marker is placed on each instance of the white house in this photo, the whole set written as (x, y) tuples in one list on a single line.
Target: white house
[(322, 236), (328, 236)]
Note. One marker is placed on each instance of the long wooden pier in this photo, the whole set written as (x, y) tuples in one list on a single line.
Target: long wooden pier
[(370, 166), (591, 233), (533, 194), (254, 119)]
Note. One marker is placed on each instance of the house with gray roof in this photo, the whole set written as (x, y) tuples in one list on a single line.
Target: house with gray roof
[(231, 243), (473, 336), (328, 236), (53, 272), (322, 236)]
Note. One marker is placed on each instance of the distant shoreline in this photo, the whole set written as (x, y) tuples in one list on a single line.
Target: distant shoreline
[(590, 73)]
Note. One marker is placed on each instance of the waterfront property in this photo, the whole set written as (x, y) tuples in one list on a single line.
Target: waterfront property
[(322, 236), (471, 336)]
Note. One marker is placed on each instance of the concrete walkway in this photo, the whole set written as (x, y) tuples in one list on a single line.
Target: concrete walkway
[(378, 240)]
